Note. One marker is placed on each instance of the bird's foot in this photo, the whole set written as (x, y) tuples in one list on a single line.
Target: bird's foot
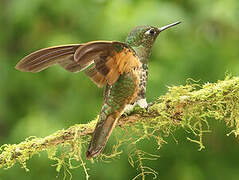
[(148, 106)]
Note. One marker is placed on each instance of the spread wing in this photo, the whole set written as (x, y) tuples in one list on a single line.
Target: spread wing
[(102, 61)]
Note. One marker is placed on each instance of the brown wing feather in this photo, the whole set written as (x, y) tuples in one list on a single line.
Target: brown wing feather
[(96, 76), (111, 59), (93, 48), (42, 59)]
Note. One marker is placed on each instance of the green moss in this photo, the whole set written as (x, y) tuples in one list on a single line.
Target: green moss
[(188, 107)]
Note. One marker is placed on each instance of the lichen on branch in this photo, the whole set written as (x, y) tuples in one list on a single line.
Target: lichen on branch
[(188, 107)]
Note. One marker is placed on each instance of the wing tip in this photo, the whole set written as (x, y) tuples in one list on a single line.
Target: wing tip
[(20, 67)]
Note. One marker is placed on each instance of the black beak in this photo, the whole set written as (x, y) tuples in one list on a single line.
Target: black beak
[(168, 26)]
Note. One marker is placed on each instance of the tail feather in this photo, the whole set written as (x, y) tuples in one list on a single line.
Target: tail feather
[(101, 134)]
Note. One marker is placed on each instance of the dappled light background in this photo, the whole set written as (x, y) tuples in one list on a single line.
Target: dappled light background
[(205, 47)]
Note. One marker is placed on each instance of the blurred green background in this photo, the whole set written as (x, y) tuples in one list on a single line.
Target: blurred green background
[(204, 47)]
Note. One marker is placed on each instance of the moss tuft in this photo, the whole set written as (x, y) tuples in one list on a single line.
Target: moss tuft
[(189, 107)]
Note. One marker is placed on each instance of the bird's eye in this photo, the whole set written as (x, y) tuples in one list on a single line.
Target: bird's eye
[(150, 31)]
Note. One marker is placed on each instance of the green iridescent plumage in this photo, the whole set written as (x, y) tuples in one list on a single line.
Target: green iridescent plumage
[(116, 97), (121, 67), (129, 89)]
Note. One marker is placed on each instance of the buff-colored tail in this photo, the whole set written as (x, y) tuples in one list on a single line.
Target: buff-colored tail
[(101, 134)]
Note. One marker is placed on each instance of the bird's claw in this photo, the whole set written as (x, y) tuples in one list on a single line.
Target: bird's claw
[(148, 106)]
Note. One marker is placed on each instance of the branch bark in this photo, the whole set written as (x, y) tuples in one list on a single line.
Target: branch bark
[(186, 107)]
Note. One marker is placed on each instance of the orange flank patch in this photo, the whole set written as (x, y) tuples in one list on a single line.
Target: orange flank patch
[(122, 62)]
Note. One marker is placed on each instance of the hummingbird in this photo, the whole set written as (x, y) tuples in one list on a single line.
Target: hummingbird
[(120, 67)]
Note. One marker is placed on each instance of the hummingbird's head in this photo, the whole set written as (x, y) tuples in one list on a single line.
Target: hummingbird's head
[(145, 35)]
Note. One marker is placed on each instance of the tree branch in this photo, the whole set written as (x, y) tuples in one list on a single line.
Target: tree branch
[(186, 107)]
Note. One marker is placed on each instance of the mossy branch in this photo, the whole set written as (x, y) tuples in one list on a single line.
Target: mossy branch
[(186, 107)]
